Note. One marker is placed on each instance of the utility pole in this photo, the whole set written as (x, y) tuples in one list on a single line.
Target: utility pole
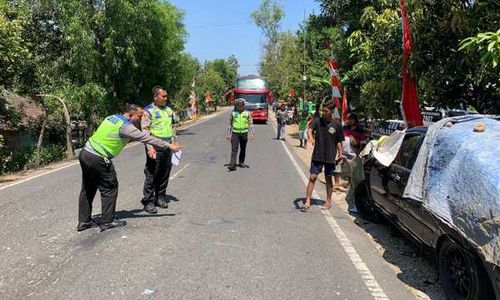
[(304, 77)]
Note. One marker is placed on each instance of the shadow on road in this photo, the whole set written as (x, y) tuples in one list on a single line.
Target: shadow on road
[(297, 202), (238, 166), (171, 198), (132, 214), (184, 132), (413, 263)]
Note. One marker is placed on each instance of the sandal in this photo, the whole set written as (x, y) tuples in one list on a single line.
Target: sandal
[(326, 206), (305, 208)]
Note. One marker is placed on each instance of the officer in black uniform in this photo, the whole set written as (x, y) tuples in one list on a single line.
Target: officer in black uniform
[(240, 124)]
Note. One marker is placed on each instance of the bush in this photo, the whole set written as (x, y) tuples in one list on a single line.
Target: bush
[(12, 161), (52, 153)]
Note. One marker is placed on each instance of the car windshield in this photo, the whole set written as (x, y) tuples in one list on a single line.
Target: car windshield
[(252, 98)]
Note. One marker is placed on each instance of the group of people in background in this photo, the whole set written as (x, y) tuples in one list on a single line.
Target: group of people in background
[(193, 104)]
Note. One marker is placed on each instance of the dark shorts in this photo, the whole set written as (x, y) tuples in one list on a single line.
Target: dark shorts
[(317, 166)]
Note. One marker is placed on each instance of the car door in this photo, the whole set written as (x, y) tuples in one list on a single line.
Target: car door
[(411, 216), (379, 190)]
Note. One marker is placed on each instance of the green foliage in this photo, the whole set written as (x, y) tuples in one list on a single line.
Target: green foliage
[(25, 158), (488, 44), (285, 72), (13, 49), (99, 55), (366, 41), (268, 17)]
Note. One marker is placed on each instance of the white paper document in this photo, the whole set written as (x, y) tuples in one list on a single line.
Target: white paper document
[(176, 158)]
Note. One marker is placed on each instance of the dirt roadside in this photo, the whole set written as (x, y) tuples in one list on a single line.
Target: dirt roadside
[(413, 267)]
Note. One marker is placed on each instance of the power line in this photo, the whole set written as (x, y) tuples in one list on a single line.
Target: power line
[(220, 25)]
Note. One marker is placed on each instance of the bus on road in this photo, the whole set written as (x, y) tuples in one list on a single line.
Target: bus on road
[(256, 93)]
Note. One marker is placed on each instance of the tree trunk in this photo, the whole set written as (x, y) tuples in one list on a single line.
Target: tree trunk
[(69, 145), (69, 140), (40, 140)]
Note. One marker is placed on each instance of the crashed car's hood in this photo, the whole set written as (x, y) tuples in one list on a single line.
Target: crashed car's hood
[(457, 178)]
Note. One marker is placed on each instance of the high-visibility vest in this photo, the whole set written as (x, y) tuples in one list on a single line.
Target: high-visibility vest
[(240, 122), (107, 140), (161, 121)]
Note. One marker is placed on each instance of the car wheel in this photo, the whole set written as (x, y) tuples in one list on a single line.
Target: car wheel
[(461, 273), (364, 204)]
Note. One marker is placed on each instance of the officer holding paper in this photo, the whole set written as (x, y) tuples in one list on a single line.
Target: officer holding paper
[(158, 121)]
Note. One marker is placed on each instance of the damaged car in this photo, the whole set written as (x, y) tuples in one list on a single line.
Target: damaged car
[(440, 185)]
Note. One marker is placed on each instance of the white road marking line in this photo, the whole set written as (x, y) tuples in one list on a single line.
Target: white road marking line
[(77, 162), (363, 270), (39, 175), (176, 174)]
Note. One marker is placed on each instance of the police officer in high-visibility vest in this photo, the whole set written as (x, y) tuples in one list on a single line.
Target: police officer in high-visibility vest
[(240, 124), (158, 121), (97, 166)]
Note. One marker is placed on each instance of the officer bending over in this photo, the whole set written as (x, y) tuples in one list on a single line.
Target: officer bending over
[(98, 170)]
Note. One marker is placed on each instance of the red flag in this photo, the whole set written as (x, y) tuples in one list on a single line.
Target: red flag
[(410, 107), (344, 106), (336, 102)]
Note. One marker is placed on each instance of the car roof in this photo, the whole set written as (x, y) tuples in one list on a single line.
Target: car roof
[(418, 129)]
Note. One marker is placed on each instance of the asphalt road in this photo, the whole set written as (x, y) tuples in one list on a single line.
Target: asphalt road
[(227, 235)]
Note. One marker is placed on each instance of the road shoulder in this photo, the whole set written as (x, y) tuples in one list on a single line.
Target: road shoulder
[(412, 268)]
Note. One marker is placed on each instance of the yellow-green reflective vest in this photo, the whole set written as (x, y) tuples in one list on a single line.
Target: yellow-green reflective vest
[(161, 121), (107, 140), (240, 122)]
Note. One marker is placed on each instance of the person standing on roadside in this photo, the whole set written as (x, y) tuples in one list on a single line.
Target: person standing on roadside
[(355, 140), (303, 121), (326, 140), (98, 172), (240, 124), (158, 121), (208, 102), (281, 116), (192, 105)]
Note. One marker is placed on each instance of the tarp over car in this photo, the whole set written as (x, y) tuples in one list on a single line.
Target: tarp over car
[(457, 177)]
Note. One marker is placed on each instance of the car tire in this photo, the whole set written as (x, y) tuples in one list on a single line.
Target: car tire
[(364, 204), (461, 273)]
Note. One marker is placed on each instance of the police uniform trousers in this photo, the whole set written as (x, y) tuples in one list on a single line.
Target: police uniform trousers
[(157, 173), (238, 140), (98, 173)]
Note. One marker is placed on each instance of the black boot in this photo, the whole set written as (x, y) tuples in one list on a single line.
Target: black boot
[(150, 208), (162, 202), (112, 224), (85, 225)]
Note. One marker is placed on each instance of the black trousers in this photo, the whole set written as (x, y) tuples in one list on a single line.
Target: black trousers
[(157, 173), (238, 140), (97, 174)]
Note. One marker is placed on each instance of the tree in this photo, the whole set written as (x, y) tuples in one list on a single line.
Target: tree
[(268, 17), (488, 44), (13, 49)]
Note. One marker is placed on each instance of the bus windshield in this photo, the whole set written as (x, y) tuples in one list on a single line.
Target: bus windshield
[(252, 98), (251, 83)]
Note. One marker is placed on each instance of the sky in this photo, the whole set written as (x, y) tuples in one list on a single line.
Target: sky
[(219, 28)]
